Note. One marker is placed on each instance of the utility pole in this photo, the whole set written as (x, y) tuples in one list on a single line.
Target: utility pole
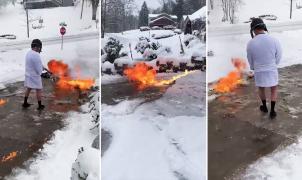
[(82, 9), (27, 19), (291, 9)]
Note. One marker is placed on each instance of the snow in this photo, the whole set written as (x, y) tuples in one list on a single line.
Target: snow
[(13, 21), (55, 160), (79, 54), (255, 8), (155, 15), (173, 43), (154, 140), (87, 166), (111, 79), (281, 164), (220, 64), (201, 13)]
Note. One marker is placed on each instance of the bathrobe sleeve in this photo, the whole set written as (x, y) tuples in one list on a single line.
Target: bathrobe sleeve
[(278, 52), (249, 56), (38, 66)]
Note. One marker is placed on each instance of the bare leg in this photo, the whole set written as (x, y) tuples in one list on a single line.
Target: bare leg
[(261, 92), (274, 93), (27, 92), (39, 94)]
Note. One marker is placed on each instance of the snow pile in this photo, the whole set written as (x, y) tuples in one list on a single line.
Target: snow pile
[(280, 165), (154, 140), (163, 35), (55, 160), (86, 165)]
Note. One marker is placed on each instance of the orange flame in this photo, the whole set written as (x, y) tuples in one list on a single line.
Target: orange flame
[(233, 79), (2, 102), (10, 156), (61, 70), (146, 76)]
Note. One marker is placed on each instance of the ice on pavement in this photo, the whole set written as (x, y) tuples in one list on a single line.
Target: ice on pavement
[(164, 139)]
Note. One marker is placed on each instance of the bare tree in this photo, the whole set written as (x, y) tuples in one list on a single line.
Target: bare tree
[(229, 7), (95, 5)]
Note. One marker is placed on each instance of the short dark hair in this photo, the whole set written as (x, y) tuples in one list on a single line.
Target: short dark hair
[(257, 23), (36, 43)]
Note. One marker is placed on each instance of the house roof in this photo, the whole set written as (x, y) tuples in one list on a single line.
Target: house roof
[(201, 13), (162, 17), (156, 15)]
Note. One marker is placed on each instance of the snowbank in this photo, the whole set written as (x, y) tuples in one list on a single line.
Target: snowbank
[(55, 160), (154, 140)]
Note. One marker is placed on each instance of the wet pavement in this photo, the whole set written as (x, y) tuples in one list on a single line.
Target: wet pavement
[(112, 94), (239, 134), (26, 130)]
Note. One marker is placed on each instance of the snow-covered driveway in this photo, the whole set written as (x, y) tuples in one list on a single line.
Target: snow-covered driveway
[(162, 139)]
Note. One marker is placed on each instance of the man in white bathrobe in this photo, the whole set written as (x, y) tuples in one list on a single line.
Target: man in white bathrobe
[(33, 71), (264, 54)]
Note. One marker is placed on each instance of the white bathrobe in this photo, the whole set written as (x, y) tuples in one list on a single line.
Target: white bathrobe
[(264, 54), (33, 70)]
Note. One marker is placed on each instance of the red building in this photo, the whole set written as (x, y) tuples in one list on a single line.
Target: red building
[(162, 20)]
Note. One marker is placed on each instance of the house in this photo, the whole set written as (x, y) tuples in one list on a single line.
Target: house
[(162, 20), (37, 4), (196, 21)]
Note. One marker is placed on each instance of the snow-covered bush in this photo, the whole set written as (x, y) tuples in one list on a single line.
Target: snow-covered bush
[(142, 44), (112, 48), (108, 68), (87, 165), (150, 54), (163, 35), (188, 38), (177, 31), (144, 28)]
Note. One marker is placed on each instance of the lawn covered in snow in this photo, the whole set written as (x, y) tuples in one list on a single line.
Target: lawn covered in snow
[(164, 139), (76, 54), (220, 64), (13, 21), (255, 8)]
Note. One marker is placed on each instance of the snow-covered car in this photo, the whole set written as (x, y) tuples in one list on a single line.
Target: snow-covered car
[(177, 31), (156, 28), (8, 36), (144, 28), (169, 27)]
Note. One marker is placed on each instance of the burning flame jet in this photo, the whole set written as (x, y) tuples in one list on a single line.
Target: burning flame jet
[(146, 76), (233, 79)]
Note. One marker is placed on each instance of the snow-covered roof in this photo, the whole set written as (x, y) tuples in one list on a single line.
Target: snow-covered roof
[(156, 15), (163, 17), (201, 13)]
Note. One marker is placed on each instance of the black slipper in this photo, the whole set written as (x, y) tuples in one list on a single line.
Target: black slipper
[(272, 114), (26, 105), (263, 109)]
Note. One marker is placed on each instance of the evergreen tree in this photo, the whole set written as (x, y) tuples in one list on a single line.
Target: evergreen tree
[(143, 15), (179, 9)]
